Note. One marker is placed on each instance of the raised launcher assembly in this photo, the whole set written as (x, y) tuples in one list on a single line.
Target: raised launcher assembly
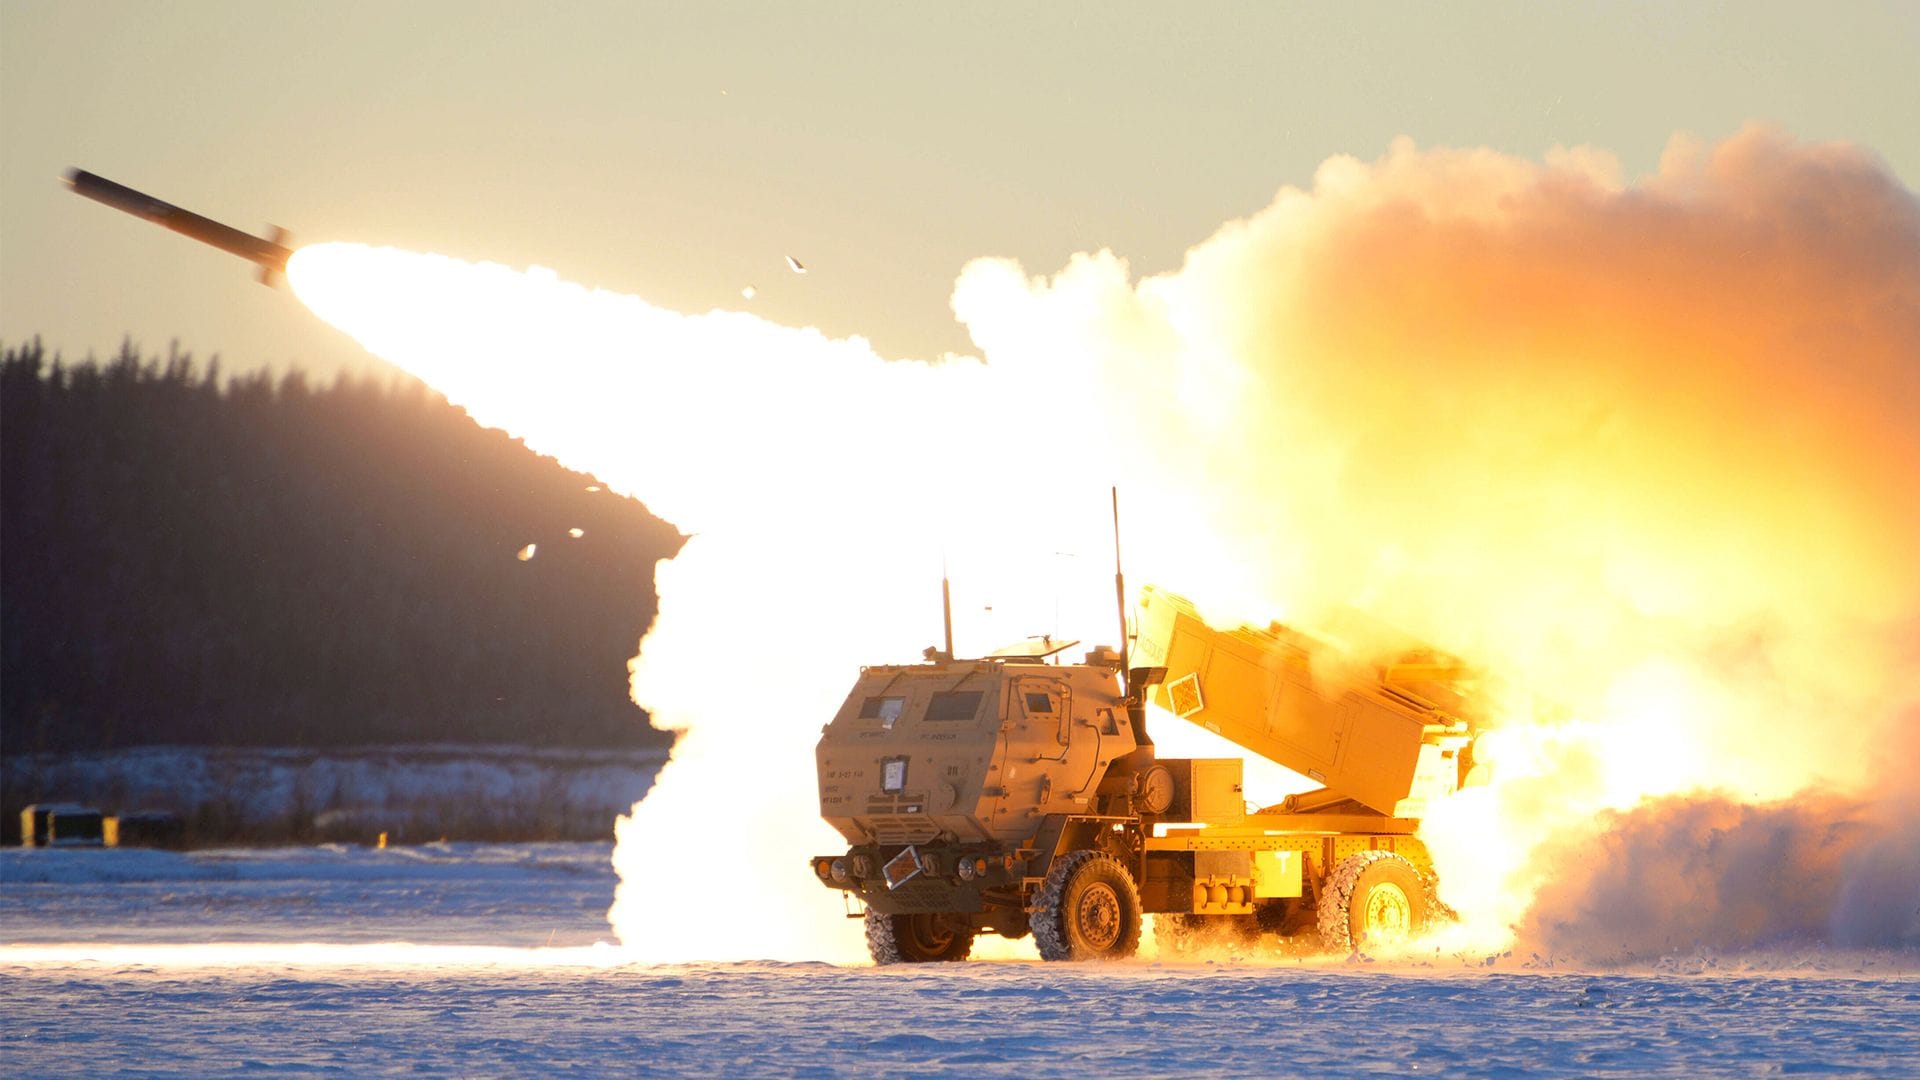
[(1014, 795), (1387, 737)]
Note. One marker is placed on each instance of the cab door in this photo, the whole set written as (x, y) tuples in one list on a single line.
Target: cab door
[(1036, 711), (1043, 738)]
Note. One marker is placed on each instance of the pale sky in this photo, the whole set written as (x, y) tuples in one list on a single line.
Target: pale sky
[(681, 152)]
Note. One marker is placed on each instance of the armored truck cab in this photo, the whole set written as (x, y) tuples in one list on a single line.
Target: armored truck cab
[(942, 775), (968, 752)]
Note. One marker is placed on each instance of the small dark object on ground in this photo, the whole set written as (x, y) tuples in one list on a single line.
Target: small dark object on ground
[(146, 828), (75, 826), (36, 821)]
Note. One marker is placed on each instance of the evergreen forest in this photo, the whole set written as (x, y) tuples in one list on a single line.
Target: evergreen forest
[(263, 561)]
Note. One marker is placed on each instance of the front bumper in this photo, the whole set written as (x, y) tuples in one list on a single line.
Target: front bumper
[(921, 878)]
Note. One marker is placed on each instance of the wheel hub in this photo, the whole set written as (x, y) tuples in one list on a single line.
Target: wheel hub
[(1098, 914), (1389, 913)]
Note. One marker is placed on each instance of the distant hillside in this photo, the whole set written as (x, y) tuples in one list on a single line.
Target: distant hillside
[(263, 562)]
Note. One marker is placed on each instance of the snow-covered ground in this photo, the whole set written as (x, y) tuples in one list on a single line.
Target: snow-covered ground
[(351, 793), (244, 962), (493, 894)]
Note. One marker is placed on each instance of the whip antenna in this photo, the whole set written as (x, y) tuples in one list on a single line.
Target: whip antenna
[(946, 605), (1120, 589)]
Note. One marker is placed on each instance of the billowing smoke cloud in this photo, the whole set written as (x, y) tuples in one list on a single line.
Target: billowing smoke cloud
[(1476, 395), (1706, 872), (1646, 451), (819, 484), (1643, 450)]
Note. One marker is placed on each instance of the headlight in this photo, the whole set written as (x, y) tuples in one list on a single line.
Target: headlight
[(966, 869), (838, 869)]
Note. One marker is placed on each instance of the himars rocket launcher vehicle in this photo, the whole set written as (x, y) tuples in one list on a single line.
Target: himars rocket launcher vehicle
[(1017, 796)]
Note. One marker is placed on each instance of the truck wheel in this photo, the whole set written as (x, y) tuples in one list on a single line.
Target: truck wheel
[(917, 939), (1088, 909), (1373, 898)]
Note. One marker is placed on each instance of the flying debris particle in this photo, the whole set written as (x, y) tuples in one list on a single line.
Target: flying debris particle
[(526, 553), (576, 533), (593, 487), (748, 292), (795, 265)]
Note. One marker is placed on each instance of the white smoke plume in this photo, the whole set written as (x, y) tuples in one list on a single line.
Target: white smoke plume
[(1705, 872), (1642, 449), (1645, 450), (819, 484)]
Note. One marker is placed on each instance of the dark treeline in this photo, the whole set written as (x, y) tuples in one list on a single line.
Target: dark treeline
[(260, 561)]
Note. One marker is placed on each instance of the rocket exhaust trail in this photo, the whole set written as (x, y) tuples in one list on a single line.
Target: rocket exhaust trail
[(269, 254)]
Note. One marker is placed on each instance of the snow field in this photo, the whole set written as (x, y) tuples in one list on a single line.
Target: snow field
[(295, 971), (984, 1019)]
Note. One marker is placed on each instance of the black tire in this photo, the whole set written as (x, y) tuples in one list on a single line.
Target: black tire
[(1372, 898), (917, 939), (1088, 909)]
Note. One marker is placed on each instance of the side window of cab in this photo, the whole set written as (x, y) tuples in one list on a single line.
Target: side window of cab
[(884, 709), (954, 706)]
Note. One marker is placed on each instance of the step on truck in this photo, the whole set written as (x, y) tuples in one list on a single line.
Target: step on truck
[(1016, 794)]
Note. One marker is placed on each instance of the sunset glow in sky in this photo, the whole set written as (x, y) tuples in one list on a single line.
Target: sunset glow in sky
[(681, 152)]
